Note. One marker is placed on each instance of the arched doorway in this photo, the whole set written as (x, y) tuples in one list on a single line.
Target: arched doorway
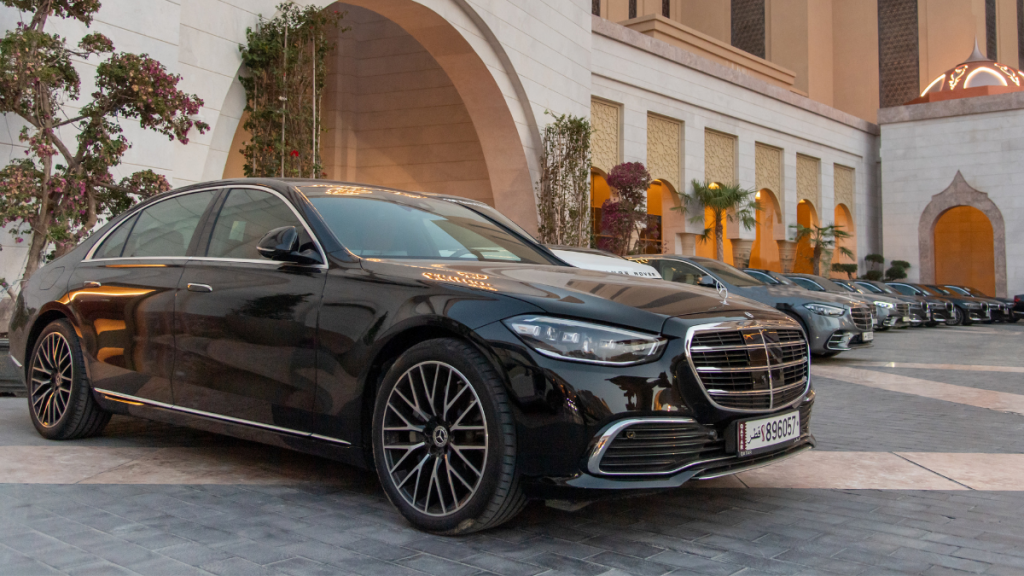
[(965, 249), (807, 217), (843, 222), (765, 252), (411, 103)]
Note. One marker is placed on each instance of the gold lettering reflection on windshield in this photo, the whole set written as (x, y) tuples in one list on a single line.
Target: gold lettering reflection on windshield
[(472, 282)]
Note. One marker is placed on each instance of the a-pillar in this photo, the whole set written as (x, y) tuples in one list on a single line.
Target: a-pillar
[(787, 254), (741, 252)]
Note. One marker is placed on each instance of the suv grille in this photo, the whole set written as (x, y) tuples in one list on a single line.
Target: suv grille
[(861, 317), (660, 447), (753, 369)]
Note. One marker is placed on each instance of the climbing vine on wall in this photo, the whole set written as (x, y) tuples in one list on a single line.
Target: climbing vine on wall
[(284, 81), (564, 198)]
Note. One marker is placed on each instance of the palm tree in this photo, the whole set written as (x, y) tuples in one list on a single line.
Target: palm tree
[(721, 198), (824, 240)]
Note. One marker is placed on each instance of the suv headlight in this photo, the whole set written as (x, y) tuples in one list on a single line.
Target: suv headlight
[(825, 309), (585, 342), (886, 305)]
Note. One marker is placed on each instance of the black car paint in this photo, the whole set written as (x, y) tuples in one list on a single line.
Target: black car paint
[(297, 351)]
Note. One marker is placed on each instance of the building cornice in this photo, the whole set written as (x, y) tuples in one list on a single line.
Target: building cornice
[(703, 65), (951, 108)]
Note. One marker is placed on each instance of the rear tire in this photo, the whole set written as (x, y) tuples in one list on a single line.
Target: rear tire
[(60, 397), (444, 440)]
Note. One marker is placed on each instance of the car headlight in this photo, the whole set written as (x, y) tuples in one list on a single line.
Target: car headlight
[(825, 309), (886, 305), (585, 342)]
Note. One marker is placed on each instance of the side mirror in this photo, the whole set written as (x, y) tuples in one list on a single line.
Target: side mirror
[(707, 281), (282, 244)]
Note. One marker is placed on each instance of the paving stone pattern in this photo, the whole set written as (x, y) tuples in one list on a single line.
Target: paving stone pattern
[(354, 530)]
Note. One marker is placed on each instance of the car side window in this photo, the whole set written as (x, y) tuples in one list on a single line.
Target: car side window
[(870, 287), (113, 245), (165, 228), (680, 272), (247, 216), (904, 289), (805, 283)]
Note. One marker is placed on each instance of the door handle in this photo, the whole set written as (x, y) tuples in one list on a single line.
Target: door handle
[(199, 287), (92, 284)]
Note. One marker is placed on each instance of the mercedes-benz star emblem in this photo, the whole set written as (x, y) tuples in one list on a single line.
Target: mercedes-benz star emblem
[(440, 436), (723, 292)]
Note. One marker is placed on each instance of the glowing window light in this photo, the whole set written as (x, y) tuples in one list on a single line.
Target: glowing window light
[(989, 71), (934, 82)]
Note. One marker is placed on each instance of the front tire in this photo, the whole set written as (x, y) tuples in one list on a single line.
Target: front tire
[(958, 318), (60, 397), (444, 440)]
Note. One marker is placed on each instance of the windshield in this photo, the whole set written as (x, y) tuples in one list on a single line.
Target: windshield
[(764, 278), (958, 290), (930, 290), (381, 224), (727, 273), (977, 293)]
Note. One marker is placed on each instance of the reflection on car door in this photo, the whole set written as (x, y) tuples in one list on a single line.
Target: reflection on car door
[(246, 326), (123, 295)]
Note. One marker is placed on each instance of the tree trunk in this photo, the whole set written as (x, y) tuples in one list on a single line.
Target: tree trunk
[(719, 233), (817, 259)]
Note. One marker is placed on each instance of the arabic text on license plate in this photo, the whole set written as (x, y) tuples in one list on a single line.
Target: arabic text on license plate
[(756, 434), (867, 336)]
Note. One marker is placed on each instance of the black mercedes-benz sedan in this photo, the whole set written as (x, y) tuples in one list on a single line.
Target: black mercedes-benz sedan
[(413, 335)]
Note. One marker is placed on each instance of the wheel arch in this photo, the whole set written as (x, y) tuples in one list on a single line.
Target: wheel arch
[(401, 339), (50, 313)]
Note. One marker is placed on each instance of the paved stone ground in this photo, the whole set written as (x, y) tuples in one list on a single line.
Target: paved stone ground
[(347, 526)]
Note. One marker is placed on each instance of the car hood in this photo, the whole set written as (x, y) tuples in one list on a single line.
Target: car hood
[(780, 291), (566, 291)]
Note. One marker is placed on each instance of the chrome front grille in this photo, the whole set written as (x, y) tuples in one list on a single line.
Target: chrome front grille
[(754, 368), (902, 309), (861, 317)]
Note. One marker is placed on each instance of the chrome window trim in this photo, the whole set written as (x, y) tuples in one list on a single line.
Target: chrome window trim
[(604, 441), (787, 324), (305, 225), (210, 415)]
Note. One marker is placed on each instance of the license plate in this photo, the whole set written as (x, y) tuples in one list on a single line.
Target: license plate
[(755, 435), (867, 336)]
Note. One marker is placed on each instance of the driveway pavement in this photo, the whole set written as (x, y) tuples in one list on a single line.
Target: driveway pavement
[(919, 470)]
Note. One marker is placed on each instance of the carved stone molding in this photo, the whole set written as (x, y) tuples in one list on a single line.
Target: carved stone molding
[(664, 145), (844, 182), (719, 157), (604, 140), (768, 169), (808, 183), (960, 193)]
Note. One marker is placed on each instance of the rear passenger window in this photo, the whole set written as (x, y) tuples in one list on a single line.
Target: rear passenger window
[(247, 216), (114, 244), (680, 272), (166, 228)]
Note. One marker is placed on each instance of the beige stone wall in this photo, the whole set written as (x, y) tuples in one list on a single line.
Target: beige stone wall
[(394, 118), (1006, 26), (605, 139), (664, 149), (808, 182), (719, 157), (855, 58), (712, 18), (786, 37), (844, 186)]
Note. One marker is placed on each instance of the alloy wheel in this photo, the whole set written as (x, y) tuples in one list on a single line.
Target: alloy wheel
[(435, 438), (51, 376)]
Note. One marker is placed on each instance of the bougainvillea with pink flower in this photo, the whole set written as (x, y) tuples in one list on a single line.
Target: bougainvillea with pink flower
[(624, 219), (60, 190)]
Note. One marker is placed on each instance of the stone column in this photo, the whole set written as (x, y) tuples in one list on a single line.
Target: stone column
[(687, 244), (787, 254), (741, 252)]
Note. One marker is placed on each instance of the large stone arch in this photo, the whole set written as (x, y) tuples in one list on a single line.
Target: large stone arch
[(960, 193), (483, 75)]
